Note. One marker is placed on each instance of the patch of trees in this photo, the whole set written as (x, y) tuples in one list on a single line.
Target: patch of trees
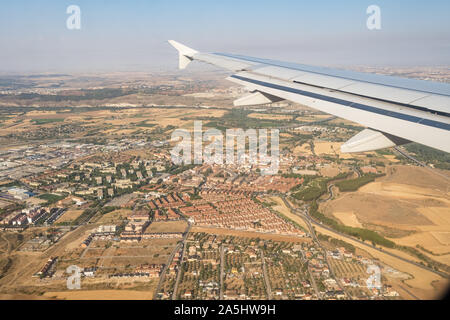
[(440, 159), (355, 184), (429, 262), (337, 242), (312, 193), (99, 94)]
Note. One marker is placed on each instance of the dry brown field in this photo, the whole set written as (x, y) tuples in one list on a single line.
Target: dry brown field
[(100, 295), (70, 215), (167, 226), (409, 199), (115, 216)]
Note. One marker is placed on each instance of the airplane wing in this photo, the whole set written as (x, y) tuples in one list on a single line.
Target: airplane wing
[(394, 110)]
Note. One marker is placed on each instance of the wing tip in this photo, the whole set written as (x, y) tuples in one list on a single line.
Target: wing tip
[(182, 49)]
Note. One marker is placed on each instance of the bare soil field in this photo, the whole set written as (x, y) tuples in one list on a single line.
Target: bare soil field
[(408, 199), (115, 216), (100, 295), (167, 226), (6, 296), (391, 158), (375, 209), (331, 148), (303, 149), (329, 171), (69, 215), (348, 218), (417, 176), (120, 262), (136, 251)]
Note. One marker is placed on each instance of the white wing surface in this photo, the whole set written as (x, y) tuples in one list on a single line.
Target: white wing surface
[(394, 110)]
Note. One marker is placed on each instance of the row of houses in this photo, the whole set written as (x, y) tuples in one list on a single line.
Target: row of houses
[(239, 214), (48, 269), (26, 216)]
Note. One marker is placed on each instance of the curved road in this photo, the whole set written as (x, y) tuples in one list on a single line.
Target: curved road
[(311, 221)]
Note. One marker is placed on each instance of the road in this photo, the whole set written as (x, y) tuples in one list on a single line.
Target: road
[(266, 278), (164, 270), (330, 191), (316, 240), (310, 221), (313, 282), (183, 243), (406, 155), (169, 261), (222, 262)]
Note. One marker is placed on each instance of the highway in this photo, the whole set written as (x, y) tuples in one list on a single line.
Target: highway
[(310, 221), (408, 156)]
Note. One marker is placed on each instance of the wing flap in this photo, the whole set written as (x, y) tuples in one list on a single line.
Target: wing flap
[(256, 98), (384, 93), (369, 140), (413, 125), (434, 102), (414, 110), (323, 81), (278, 72), (414, 98)]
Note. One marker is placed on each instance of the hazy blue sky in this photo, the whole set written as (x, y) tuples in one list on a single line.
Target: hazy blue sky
[(131, 35)]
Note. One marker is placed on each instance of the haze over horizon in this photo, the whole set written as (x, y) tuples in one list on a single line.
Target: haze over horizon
[(124, 36)]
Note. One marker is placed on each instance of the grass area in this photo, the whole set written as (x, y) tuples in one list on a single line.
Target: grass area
[(238, 118), (145, 125), (45, 121), (51, 197)]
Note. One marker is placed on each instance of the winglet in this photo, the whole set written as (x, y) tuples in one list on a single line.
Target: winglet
[(185, 54)]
